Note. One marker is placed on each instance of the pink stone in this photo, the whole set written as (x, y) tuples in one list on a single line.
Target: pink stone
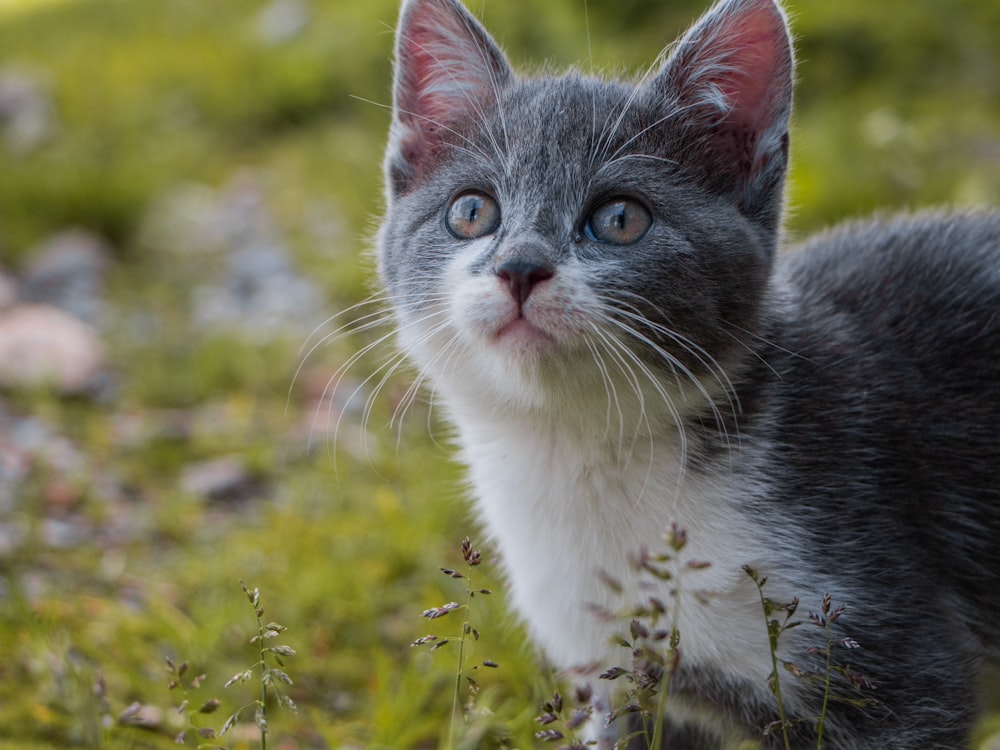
[(41, 346)]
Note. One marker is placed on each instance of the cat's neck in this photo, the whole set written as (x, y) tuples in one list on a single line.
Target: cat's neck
[(608, 410)]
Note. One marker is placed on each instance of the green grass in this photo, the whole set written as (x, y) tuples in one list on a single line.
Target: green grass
[(896, 109)]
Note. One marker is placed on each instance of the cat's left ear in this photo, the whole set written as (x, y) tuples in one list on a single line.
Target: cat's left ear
[(448, 70), (729, 83)]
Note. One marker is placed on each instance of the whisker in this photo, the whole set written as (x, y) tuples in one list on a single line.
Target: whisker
[(650, 157), (382, 315), (611, 345), (626, 359), (334, 382), (411, 392), (766, 342), (703, 357), (610, 392), (678, 367), (386, 369), (636, 136)]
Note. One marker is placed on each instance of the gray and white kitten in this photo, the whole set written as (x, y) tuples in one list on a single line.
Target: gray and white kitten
[(588, 273)]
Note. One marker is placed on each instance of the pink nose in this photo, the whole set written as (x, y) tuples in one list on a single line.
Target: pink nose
[(522, 275)]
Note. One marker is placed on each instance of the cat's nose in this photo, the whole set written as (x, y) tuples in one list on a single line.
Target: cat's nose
[(521, 275)]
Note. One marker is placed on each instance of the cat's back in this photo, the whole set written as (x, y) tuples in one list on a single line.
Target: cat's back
[(897, 321), (919, 279), (913, 298)]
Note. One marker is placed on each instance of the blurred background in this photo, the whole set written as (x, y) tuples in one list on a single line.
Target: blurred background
[(187, 195)]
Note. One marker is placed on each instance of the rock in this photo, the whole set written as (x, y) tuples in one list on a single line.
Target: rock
[(248, 283), (225, 478), (67, 271), (15, 533), (43, 346), (183, 225), (234, 260), (281, 21), (27, 116), (60, 533), (8, 289)]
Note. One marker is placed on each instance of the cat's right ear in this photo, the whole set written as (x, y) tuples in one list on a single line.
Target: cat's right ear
[(447, 70)]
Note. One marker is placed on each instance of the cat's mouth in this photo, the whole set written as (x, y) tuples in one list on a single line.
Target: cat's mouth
[(523, 334), (516, 327)]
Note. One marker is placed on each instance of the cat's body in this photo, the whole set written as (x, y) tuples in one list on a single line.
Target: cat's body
[(588, 273)]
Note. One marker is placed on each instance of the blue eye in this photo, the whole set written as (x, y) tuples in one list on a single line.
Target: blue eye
[(473, 215), (619, 221)]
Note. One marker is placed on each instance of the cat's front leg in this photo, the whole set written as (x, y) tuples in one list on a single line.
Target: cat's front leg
[(633, 732), (596, 731)]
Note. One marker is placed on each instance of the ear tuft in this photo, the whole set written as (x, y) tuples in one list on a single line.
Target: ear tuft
[(447, 70)]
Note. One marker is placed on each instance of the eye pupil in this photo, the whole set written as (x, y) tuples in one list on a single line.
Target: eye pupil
[(619, 221), (473, 215)]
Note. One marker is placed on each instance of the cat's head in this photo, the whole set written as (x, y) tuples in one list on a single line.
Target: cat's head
[(549, 235)]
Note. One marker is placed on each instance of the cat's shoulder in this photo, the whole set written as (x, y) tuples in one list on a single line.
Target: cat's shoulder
[(931, 253)]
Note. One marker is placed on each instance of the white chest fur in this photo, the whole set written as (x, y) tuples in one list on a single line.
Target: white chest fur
[(562, 511)]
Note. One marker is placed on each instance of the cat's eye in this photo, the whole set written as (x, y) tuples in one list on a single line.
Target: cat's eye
[(619, 221), (473, 215)]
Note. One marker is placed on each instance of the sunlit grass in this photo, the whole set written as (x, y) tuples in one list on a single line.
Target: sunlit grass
[(10, 7)]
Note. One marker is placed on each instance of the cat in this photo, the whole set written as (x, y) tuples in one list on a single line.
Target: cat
[(591, 274)]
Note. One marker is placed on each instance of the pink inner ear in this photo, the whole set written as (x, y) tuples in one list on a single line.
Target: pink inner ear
[(421, 68), (757, 54), (446, 65), (740, 51)]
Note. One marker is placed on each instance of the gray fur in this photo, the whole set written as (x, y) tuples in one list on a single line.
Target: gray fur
[(857, 377)]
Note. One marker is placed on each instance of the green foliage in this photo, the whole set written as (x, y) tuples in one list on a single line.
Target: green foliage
[(270, 668), (775, 629), (466, 636), (148, 94), (835, 679)]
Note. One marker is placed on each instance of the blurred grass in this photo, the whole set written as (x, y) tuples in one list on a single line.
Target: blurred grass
[(899, 106)]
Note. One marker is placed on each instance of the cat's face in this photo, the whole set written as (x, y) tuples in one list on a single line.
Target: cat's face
[(551, 235)]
